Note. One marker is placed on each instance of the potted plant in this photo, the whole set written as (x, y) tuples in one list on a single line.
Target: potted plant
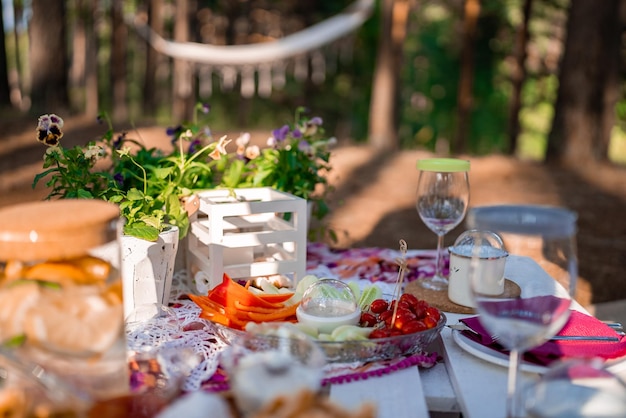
[(149, 186), (152, 187), (296, 160)]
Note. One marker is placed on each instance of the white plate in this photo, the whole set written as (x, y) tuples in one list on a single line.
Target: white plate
[(490, 355), (500, 359)]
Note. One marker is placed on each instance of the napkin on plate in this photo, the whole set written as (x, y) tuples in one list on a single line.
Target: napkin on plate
[(578, 324)]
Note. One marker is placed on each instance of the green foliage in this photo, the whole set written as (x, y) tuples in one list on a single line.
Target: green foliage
[(146, 184), (149, 185)]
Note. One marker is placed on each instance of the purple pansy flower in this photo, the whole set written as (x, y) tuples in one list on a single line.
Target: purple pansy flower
[(316, 121), (119, 178), (296, 133), (194, 146), (304, 146), (281, 133), (117, 143)]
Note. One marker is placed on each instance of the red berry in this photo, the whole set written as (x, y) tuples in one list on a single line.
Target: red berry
[(429, 322), (410, 299), (403, 317), (367, 320), (386, 317), (433, 313), (378, 306), (380, 333), (413, 327)]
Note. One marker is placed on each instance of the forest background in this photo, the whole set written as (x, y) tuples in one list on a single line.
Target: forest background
[(538, 83)]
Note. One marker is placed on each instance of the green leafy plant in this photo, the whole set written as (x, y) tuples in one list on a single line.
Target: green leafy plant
[(149, 186), (296, 160), (152, 188)]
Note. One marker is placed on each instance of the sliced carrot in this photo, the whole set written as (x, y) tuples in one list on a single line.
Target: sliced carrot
[(244, 308), (229, 291), (278, 315), (275, 297)]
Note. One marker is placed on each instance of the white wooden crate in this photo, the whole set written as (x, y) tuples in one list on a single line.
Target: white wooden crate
[(255, 232)]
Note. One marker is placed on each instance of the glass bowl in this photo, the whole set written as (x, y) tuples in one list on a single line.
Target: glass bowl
[(349, 351)]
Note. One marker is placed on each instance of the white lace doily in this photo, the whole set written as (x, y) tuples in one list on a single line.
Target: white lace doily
[(189, 331)]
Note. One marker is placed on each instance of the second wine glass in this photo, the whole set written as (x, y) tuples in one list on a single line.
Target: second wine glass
[(442, 200), (520, 324)]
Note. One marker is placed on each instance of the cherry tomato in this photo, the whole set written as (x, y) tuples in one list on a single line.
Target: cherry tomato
[(380, 333), (429, 322), (403, 317), (433, 313), (413, 327), (386, 317), (395, 331), (367, 320), (379, 306), (420, 308), (402, 304), (410, 299)]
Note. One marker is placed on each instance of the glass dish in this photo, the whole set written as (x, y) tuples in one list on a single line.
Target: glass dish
[(350, 351)]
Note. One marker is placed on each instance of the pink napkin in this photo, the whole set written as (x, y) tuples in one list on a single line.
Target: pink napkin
[(578, 324)]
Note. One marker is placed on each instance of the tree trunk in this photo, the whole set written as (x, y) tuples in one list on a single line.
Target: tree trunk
[(382, 114), (5, 92), (16, 86), (119, 35), (155, 21), (48, 56), (518, 77), (91, 60), (182, 103), (588, 83), (465, 97)]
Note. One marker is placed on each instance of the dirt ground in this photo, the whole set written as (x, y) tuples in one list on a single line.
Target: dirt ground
[(373, 200)]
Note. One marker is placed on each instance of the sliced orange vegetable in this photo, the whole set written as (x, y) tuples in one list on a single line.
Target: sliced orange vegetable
[(277, 315), (228, 291), (244, 308), (276, 297)]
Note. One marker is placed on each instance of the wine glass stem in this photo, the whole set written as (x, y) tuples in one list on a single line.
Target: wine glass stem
[(439, 265), (512, 399)]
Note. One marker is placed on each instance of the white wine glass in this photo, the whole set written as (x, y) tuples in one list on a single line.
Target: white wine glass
[(543, 308), (442, 200)]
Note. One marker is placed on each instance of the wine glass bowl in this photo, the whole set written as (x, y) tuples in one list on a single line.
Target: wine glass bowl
[(442, 200)]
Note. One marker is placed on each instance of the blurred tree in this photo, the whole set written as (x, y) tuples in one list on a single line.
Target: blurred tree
[(92, 96), (119, 38), (589, 83), (182, 77), (5, 92), (48, 56), (518, 76), (156, 22), (383, 105), (465, 97), (84, 68), (18, 14)]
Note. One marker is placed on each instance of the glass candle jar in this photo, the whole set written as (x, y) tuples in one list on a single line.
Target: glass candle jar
[(61, 304)]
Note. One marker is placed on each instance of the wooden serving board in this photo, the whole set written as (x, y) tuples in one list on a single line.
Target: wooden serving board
[(439, 298)]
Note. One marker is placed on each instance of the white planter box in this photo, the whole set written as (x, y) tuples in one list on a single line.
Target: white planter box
[(257, 232)]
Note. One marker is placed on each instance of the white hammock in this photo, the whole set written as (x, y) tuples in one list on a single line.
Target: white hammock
[(292, 45)]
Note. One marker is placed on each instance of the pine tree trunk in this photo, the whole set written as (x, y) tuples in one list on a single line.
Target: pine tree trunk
[(5, 92), (48, 56), (465, 97), (91, 60), (119, 35), (518, 77), (589, 83), (383, 106), (155, 21), (182, 103)]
